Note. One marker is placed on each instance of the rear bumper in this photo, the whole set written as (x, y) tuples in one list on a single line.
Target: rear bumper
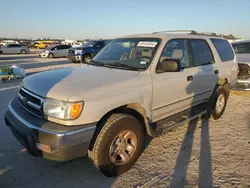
[(242, 84), (64, 142)]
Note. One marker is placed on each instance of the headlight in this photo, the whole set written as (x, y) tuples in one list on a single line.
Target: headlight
[(62, 110)]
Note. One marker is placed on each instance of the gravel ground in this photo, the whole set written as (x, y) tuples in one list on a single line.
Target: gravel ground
[(199, 154)]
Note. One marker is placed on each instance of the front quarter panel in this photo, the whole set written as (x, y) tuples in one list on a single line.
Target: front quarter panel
[(95, 108)]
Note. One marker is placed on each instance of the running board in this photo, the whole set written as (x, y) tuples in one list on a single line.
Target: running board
[(180, 119)]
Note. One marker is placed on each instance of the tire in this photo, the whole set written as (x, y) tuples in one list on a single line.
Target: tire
[(23, 52), (51, 56), (86, 58), (219, 103), (106, 142)]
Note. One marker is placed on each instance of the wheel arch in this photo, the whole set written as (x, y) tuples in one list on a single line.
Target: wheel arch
[(133, 109)]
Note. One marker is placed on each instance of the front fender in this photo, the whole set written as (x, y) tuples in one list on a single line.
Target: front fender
[(95, 108)]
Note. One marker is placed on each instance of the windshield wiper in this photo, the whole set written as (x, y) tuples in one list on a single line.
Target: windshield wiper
[(122, 65), (93, 62)]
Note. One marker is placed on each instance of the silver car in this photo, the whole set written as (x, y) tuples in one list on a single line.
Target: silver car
[(58, 50), (14, 49)]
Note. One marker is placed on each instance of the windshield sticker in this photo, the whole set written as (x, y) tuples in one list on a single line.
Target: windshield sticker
[(143, 62), (147, 44)]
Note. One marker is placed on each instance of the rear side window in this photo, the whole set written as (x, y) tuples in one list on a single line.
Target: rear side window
[(224, 49), (242, 48), (202, 54)]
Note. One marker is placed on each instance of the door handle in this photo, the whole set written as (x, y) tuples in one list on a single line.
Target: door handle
[(189, 78), (216, 72)]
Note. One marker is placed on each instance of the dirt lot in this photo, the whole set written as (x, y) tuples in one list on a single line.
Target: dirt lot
[(201, 154)]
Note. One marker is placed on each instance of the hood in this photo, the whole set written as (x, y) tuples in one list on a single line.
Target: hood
[(243, 58), (89, 80)]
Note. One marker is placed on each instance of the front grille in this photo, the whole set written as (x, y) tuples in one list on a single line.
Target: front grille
[(30, 102)]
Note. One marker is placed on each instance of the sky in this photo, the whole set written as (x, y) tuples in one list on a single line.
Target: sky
[(80, 19)]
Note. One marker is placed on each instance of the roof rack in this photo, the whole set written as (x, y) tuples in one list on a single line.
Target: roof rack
[(191, 32), (176, 31)]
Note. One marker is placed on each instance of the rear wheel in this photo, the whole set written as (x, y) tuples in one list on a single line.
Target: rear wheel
[(118, 145), (51, 56), (219, 103), (23, 52)]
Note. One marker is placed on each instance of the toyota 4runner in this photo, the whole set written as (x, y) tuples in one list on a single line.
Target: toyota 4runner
[(136, 86)]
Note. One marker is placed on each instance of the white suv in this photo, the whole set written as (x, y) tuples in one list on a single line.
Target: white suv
[(135, 86), (242, 51)]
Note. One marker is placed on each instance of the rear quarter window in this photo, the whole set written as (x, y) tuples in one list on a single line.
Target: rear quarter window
[(224, 49)]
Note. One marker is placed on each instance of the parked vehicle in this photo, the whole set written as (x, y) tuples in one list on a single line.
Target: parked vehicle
[(242, 50), (44, 44), (14, 49), (87, 51), (58, 50), (135, 86)]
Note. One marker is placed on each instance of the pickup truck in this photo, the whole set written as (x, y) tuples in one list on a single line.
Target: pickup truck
[(87, 51), (136, 86)]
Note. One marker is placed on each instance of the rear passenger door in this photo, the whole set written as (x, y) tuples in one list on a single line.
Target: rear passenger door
[(17, 48), (205, 74)]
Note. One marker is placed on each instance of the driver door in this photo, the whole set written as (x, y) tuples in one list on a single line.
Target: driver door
[(173, 91)]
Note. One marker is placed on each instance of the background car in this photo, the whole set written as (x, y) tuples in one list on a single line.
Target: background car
[(87, 51), (59, 50), (242, 51), (14, 49)]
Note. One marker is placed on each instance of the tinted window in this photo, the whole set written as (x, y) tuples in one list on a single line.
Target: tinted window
[(224, 49), (99, 44), (202, 54), (177, 49), (10, 45), (17, 45), (242, 48), (60, 47)]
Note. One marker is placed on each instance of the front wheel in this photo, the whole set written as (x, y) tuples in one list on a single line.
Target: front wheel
[(86, 58), (118, 145)]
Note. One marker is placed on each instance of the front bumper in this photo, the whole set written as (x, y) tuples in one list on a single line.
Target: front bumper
[(65, 142), (75, 57)]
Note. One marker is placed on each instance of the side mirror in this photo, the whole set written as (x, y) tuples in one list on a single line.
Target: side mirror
[(170, 65)]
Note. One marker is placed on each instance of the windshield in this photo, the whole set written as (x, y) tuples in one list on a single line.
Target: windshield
[(134, 53), (89, 43)]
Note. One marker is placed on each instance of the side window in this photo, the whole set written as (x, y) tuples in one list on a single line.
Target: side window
[(177, 49), (224, 49), (10, 45), (18, 45), (242, 48), (99, 44), (202, 54), (61, 47)]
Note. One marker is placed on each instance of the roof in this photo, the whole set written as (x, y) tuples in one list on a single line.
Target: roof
[(240, 41), (174, 34)]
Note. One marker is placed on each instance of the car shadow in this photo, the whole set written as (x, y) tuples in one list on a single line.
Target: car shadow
[(16, 57), (205, 179)]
